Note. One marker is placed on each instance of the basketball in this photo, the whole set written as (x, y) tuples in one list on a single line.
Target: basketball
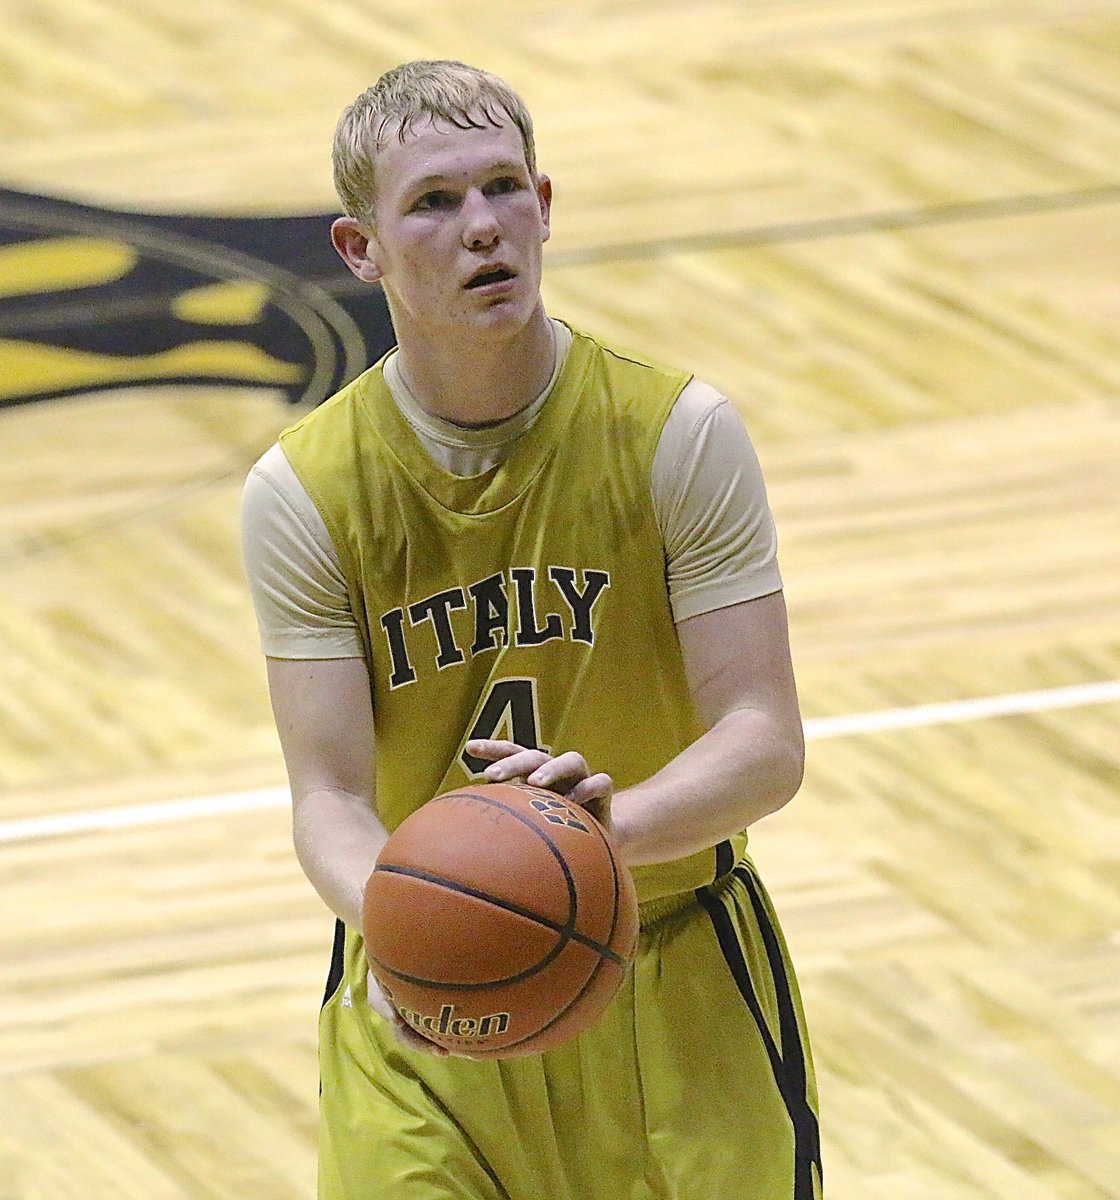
[(500, 920)]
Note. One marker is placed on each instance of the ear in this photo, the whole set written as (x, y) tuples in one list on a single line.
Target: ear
[(356, 248), (544, 199)]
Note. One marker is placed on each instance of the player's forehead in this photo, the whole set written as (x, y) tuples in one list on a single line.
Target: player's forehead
[(432, 151)]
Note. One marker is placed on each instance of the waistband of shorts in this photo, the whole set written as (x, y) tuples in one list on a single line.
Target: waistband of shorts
[(652, 911)]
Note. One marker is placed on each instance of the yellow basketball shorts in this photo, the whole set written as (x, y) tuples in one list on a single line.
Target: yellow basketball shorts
[(696, 1084)]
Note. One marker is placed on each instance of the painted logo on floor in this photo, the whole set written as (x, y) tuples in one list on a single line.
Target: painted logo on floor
[(96, 299)]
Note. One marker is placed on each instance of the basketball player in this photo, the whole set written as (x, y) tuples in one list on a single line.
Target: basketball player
[(510, 549)]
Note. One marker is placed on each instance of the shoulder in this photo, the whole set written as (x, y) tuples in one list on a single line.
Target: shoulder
[(325, 421), (625, 363), (295, 581), (272, 484), (703, 425), (697, 404), (711, 505), (276, 507)]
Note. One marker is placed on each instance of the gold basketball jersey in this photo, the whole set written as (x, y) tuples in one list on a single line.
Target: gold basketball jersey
[(527, 603)]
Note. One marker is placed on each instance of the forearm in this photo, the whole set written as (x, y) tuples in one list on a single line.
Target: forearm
[(337, 838), (746, 766)]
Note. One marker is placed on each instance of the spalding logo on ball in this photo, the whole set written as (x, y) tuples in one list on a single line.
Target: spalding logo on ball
[(500, 920)]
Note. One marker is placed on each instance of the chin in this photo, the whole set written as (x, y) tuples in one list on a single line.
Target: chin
[(505, 315)]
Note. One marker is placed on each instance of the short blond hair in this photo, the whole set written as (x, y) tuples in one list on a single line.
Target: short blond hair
[(434, 90)]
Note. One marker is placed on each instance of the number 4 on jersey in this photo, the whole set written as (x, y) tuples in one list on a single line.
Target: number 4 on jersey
[(508, 713)]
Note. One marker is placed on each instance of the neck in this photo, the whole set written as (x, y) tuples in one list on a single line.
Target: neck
[(476, 381)]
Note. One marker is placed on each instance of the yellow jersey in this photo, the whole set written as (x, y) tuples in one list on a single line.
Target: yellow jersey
[(528, 602)]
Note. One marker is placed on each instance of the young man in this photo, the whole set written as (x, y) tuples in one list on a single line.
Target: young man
[(509, 550)]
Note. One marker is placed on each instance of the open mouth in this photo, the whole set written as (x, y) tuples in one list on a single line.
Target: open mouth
[(498, 275)]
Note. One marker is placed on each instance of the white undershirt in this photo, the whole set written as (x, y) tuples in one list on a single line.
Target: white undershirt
[(706, 483)]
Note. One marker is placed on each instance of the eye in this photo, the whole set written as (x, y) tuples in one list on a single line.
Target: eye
[(503, 185), (433, 201)]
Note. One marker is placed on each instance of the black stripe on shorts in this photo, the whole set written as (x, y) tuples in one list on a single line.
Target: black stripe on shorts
[(725, 859), (788, 1064), (338, 960)]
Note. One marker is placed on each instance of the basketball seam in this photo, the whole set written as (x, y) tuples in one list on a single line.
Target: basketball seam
[(482, 986), (543, 834), (565, 931), (598, 965), (597, 829), (562, 1013), (554, 850)]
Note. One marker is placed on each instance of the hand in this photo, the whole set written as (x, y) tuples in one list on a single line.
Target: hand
[(567, 774), (404, 1033)]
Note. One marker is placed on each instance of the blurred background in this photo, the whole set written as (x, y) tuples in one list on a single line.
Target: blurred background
[(888, 229)]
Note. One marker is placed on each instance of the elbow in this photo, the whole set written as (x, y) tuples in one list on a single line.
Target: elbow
[(772, 766), (792, 773), (787, 771)]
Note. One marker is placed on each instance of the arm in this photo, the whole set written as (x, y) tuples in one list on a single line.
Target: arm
[(747, 764), (324, 717), (725, 592), (724, 588), (323, 710)]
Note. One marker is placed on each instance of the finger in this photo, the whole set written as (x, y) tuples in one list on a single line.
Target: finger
[(492, 749), (407, 1036), (402, 1031), (561, 773), (596, 800), (377, 999), (596, 789), (516, 766), (463, 1054)]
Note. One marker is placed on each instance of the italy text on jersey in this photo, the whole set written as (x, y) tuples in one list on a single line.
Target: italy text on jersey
[(518, 603)]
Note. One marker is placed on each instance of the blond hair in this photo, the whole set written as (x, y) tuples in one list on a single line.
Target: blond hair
[(434, 90)]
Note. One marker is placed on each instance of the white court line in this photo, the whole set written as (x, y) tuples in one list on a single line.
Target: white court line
[(965, 710), (816, 729), (98, 819)]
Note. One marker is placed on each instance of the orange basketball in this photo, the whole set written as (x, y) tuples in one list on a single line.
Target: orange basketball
[(500, 920)]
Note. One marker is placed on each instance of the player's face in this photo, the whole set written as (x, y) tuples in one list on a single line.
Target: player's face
[(460, 227)]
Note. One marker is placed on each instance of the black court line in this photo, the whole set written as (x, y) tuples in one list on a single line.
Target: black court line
[(855, 224)]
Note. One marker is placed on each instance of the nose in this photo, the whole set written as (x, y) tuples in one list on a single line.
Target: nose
[(481, 230)]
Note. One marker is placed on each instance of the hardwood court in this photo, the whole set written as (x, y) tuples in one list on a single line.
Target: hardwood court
[(889, 230)]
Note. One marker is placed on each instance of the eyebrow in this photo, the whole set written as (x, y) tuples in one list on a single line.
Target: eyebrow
[(504, 166)]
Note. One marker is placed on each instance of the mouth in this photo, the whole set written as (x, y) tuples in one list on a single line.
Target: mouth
[(490, 276)]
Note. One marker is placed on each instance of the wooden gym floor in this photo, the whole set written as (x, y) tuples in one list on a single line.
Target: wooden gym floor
[(890, 230)]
